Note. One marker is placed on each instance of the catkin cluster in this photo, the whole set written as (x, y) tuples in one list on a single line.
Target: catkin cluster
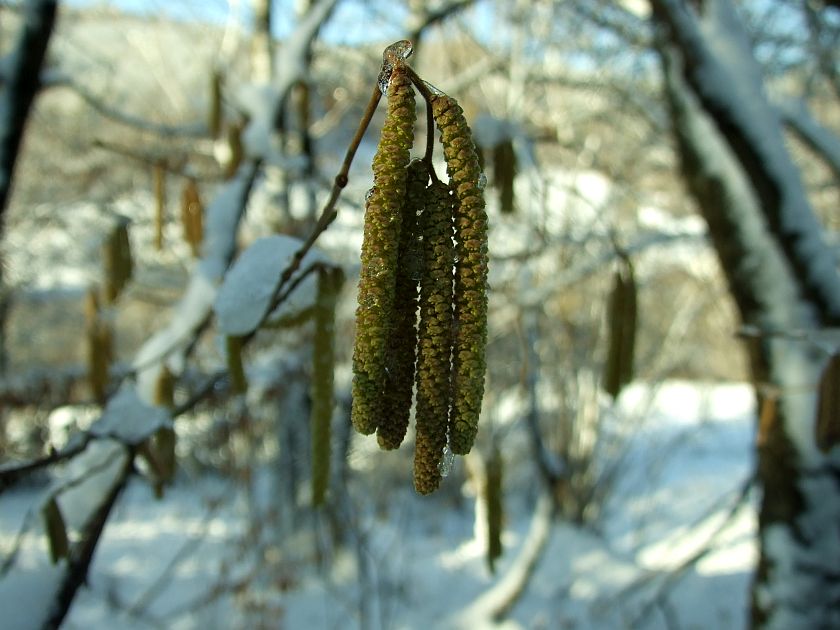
[(421, 321)]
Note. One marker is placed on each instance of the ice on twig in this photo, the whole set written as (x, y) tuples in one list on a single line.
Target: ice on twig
[(395, 53), (435, 91)]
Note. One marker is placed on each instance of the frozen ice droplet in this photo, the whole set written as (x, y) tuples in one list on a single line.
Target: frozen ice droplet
[(398, 51), (446, 463), (395, 54), (369, 194), (384, 78), (482, 181)]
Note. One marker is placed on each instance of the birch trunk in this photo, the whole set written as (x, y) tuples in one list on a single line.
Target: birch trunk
[(785, 283)]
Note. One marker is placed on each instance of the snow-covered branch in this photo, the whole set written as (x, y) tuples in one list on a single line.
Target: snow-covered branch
[(721, 70), (131, 418), (758, 277)]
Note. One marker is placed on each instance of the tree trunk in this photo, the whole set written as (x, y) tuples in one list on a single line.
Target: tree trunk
[(18, 88), (777, 265)]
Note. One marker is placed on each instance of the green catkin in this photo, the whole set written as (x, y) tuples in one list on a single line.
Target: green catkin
[(504, 173), (159, 185), (470, 300), (827, 431), (621, 319), (402, 347), (236, 370), (495, 512), (374, 314), (117, 263), (56, 530), (214, 109), (323, 360), (100, 344), (192, 216), (164, 395), (161, 457), (434, 338), (233, 135)]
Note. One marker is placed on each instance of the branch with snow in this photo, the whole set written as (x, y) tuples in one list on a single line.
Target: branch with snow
[(130, 419), (721, 70)]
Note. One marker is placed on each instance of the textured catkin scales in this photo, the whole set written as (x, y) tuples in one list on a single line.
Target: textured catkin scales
[(374, 314), (434, 338), (403, 343), (323, 359), (470, 300)]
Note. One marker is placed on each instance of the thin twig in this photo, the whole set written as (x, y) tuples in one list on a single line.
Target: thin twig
[(9, 474)]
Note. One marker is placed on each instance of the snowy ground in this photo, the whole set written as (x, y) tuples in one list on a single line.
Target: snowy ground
[(426, 567)]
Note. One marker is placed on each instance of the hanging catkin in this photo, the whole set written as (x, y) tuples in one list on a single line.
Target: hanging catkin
[(117, 263), (504, 173), (374, 314), (470, 300), (159, 186), (621, 319), (495, 512), (100, 343), (214, 106), (435, 336), (828, 406), (403, 342), (56, 530), (192, 216), (236, 370), (323, 360)]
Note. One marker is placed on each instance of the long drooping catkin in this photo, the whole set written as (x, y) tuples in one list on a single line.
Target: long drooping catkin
[(434, 387), (504, 173), (374, 314), (192, 216), (828, 406), (495, 510), (621, 319), (236, 370), (402, 347), (470, 299), (323, 361)]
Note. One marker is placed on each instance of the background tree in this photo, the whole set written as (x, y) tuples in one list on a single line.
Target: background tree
[(783, 277)]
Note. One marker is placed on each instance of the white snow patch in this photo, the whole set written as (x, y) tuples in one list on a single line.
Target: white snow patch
[(246, 293), (129, 419)]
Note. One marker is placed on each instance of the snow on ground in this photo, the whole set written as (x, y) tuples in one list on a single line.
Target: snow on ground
[(683, 468)]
